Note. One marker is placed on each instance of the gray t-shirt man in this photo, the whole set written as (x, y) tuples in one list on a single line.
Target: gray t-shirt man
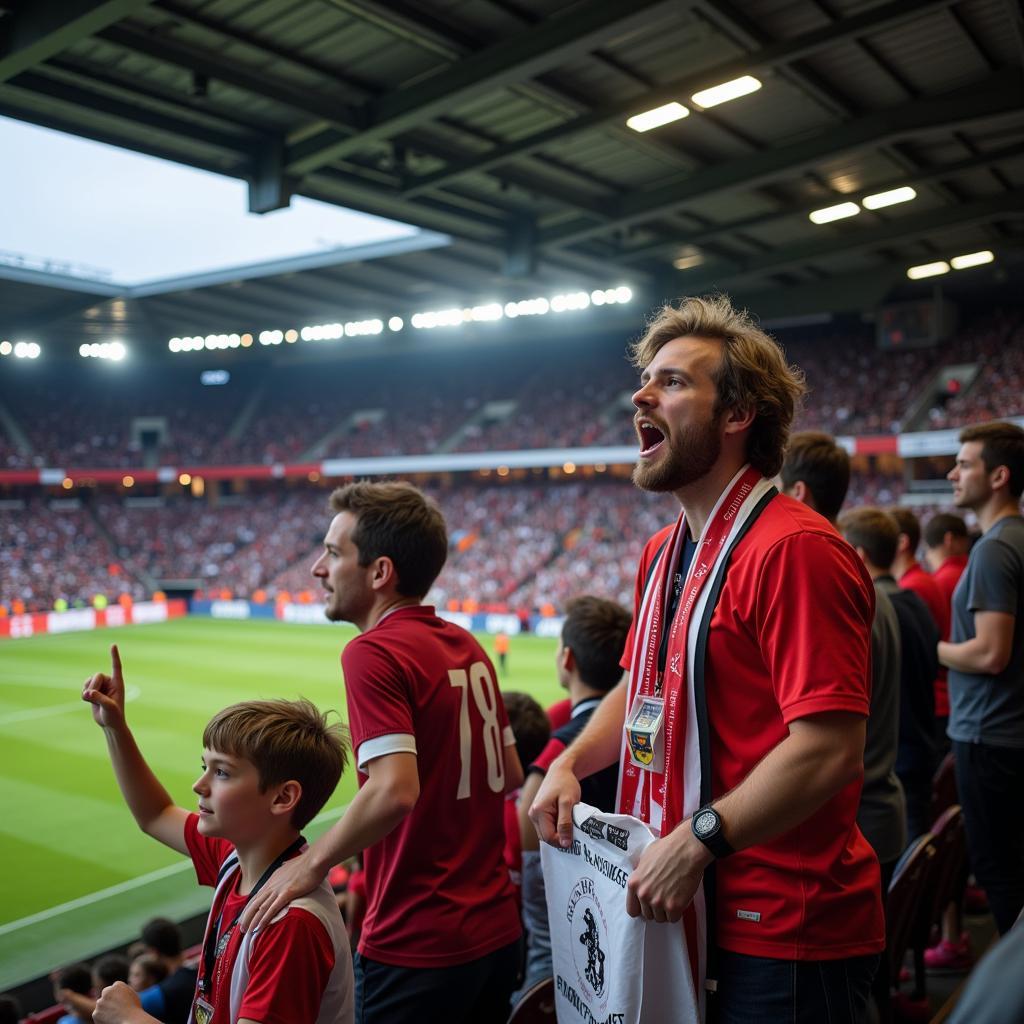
[(989, 709), (882, 815)]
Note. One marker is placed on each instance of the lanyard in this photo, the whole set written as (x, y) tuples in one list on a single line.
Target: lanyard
[(212, 948)]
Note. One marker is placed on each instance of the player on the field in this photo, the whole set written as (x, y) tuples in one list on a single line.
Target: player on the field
[(435, 758), (740, 733), (268, 768)]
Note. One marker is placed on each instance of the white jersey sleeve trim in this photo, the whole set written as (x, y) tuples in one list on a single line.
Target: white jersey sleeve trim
[(381, 746), (508, 737)]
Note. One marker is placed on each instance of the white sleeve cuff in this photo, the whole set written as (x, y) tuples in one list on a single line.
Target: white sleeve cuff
[(381, 746), (508, 737)]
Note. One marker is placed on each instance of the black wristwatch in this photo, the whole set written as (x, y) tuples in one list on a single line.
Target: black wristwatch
[(707, 827)]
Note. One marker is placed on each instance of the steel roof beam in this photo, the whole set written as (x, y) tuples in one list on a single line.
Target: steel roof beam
[(43, 28), (872, 20), (524, 56), (921, 177), (996, 95), (912, 227)]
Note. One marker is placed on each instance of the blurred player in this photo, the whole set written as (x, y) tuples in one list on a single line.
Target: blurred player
[(435, 758)]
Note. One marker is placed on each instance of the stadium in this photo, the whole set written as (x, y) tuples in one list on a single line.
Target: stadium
[(252, 252)]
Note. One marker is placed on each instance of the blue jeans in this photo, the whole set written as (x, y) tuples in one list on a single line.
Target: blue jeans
[(757, 990)]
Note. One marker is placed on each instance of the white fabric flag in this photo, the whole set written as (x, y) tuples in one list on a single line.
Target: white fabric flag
[(611, 968)]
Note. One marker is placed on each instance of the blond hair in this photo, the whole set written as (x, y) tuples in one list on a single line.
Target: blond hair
[(753, 374)]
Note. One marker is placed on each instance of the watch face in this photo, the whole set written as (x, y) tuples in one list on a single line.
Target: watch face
[(704, 823)]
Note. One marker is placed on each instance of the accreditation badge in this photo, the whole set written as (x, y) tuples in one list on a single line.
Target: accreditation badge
[(202, 1011), (643, 733)]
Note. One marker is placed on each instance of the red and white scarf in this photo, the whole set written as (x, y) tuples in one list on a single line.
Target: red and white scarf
[(663, 800)]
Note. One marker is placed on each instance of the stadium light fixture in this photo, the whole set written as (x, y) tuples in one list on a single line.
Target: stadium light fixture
[(396, 323), (688, 262), (972, 259), (928, 270), (128, 481), (184, 479), (6, 348), (665, 114), (727, 91), (26, 350), (291, 336), (830, 213), (882, 199)]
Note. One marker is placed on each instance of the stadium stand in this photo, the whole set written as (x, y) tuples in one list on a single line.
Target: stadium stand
[(370, 407)]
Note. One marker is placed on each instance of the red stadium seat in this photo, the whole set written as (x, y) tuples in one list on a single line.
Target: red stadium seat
[(537, 1005)]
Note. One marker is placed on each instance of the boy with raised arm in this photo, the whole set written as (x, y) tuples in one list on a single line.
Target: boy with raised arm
[(268, 768)]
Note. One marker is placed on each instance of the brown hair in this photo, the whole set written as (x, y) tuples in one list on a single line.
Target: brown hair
[(595, 631), (530, 724), (909, 524), (397, 521), (284, 739), (939, 525), (824, 466), (753, 373), (874, 530), (1002, 444)]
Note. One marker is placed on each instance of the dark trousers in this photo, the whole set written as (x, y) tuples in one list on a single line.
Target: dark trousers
[(477, 992), (757, 990), (917, 788), (990, 781)]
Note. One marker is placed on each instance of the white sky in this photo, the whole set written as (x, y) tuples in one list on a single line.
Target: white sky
[(132, 219)]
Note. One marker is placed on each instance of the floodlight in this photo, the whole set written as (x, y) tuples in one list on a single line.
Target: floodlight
[(890, 198), (655, 118), (396, 323), (837, 212), (972, 259), (623, 293), (928, 270), (6, 348), (726, 91)]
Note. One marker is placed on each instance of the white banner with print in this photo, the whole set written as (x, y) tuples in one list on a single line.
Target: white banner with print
[(611, 968)]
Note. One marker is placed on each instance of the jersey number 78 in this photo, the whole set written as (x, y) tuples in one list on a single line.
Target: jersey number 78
[(486, 697)]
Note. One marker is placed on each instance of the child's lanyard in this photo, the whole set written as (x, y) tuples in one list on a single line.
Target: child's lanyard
[(212, 948)]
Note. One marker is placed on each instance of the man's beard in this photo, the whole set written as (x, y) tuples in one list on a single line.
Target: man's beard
[(691, 456)]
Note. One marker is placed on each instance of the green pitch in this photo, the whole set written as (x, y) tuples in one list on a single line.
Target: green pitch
[(78, 877)]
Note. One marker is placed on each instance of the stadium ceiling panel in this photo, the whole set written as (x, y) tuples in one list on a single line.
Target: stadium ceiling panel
[(502, 125)]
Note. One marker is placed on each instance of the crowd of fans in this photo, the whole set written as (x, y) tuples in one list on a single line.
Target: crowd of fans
[(515, 546), (417, 404)]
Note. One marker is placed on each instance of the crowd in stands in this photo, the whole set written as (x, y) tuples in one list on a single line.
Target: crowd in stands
[(420, 403), (515, 546)]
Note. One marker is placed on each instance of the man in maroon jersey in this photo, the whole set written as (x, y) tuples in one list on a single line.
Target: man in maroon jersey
[(435, 758)]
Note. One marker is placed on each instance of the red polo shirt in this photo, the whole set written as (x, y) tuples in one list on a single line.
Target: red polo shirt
[(789, 638)]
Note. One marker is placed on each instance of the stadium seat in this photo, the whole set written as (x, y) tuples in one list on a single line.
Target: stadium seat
[(906, 891), (945, 878), (537, 1005)]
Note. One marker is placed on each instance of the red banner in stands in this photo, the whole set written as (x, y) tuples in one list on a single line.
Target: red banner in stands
[(79, 619)]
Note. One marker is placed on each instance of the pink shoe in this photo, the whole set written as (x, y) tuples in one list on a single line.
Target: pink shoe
[(950, 957)]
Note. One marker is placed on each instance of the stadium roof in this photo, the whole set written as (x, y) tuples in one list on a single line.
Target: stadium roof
[(501, 124)]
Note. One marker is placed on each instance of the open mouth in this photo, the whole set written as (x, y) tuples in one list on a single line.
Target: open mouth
[(651, 438)]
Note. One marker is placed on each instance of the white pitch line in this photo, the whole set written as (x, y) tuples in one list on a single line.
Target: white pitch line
[(30, 714), (122, 887)]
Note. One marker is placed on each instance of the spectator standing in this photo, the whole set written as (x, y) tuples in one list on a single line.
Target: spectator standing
[(587, 664), (435, 756), (783, 681), (985, 657), (816, 472)]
